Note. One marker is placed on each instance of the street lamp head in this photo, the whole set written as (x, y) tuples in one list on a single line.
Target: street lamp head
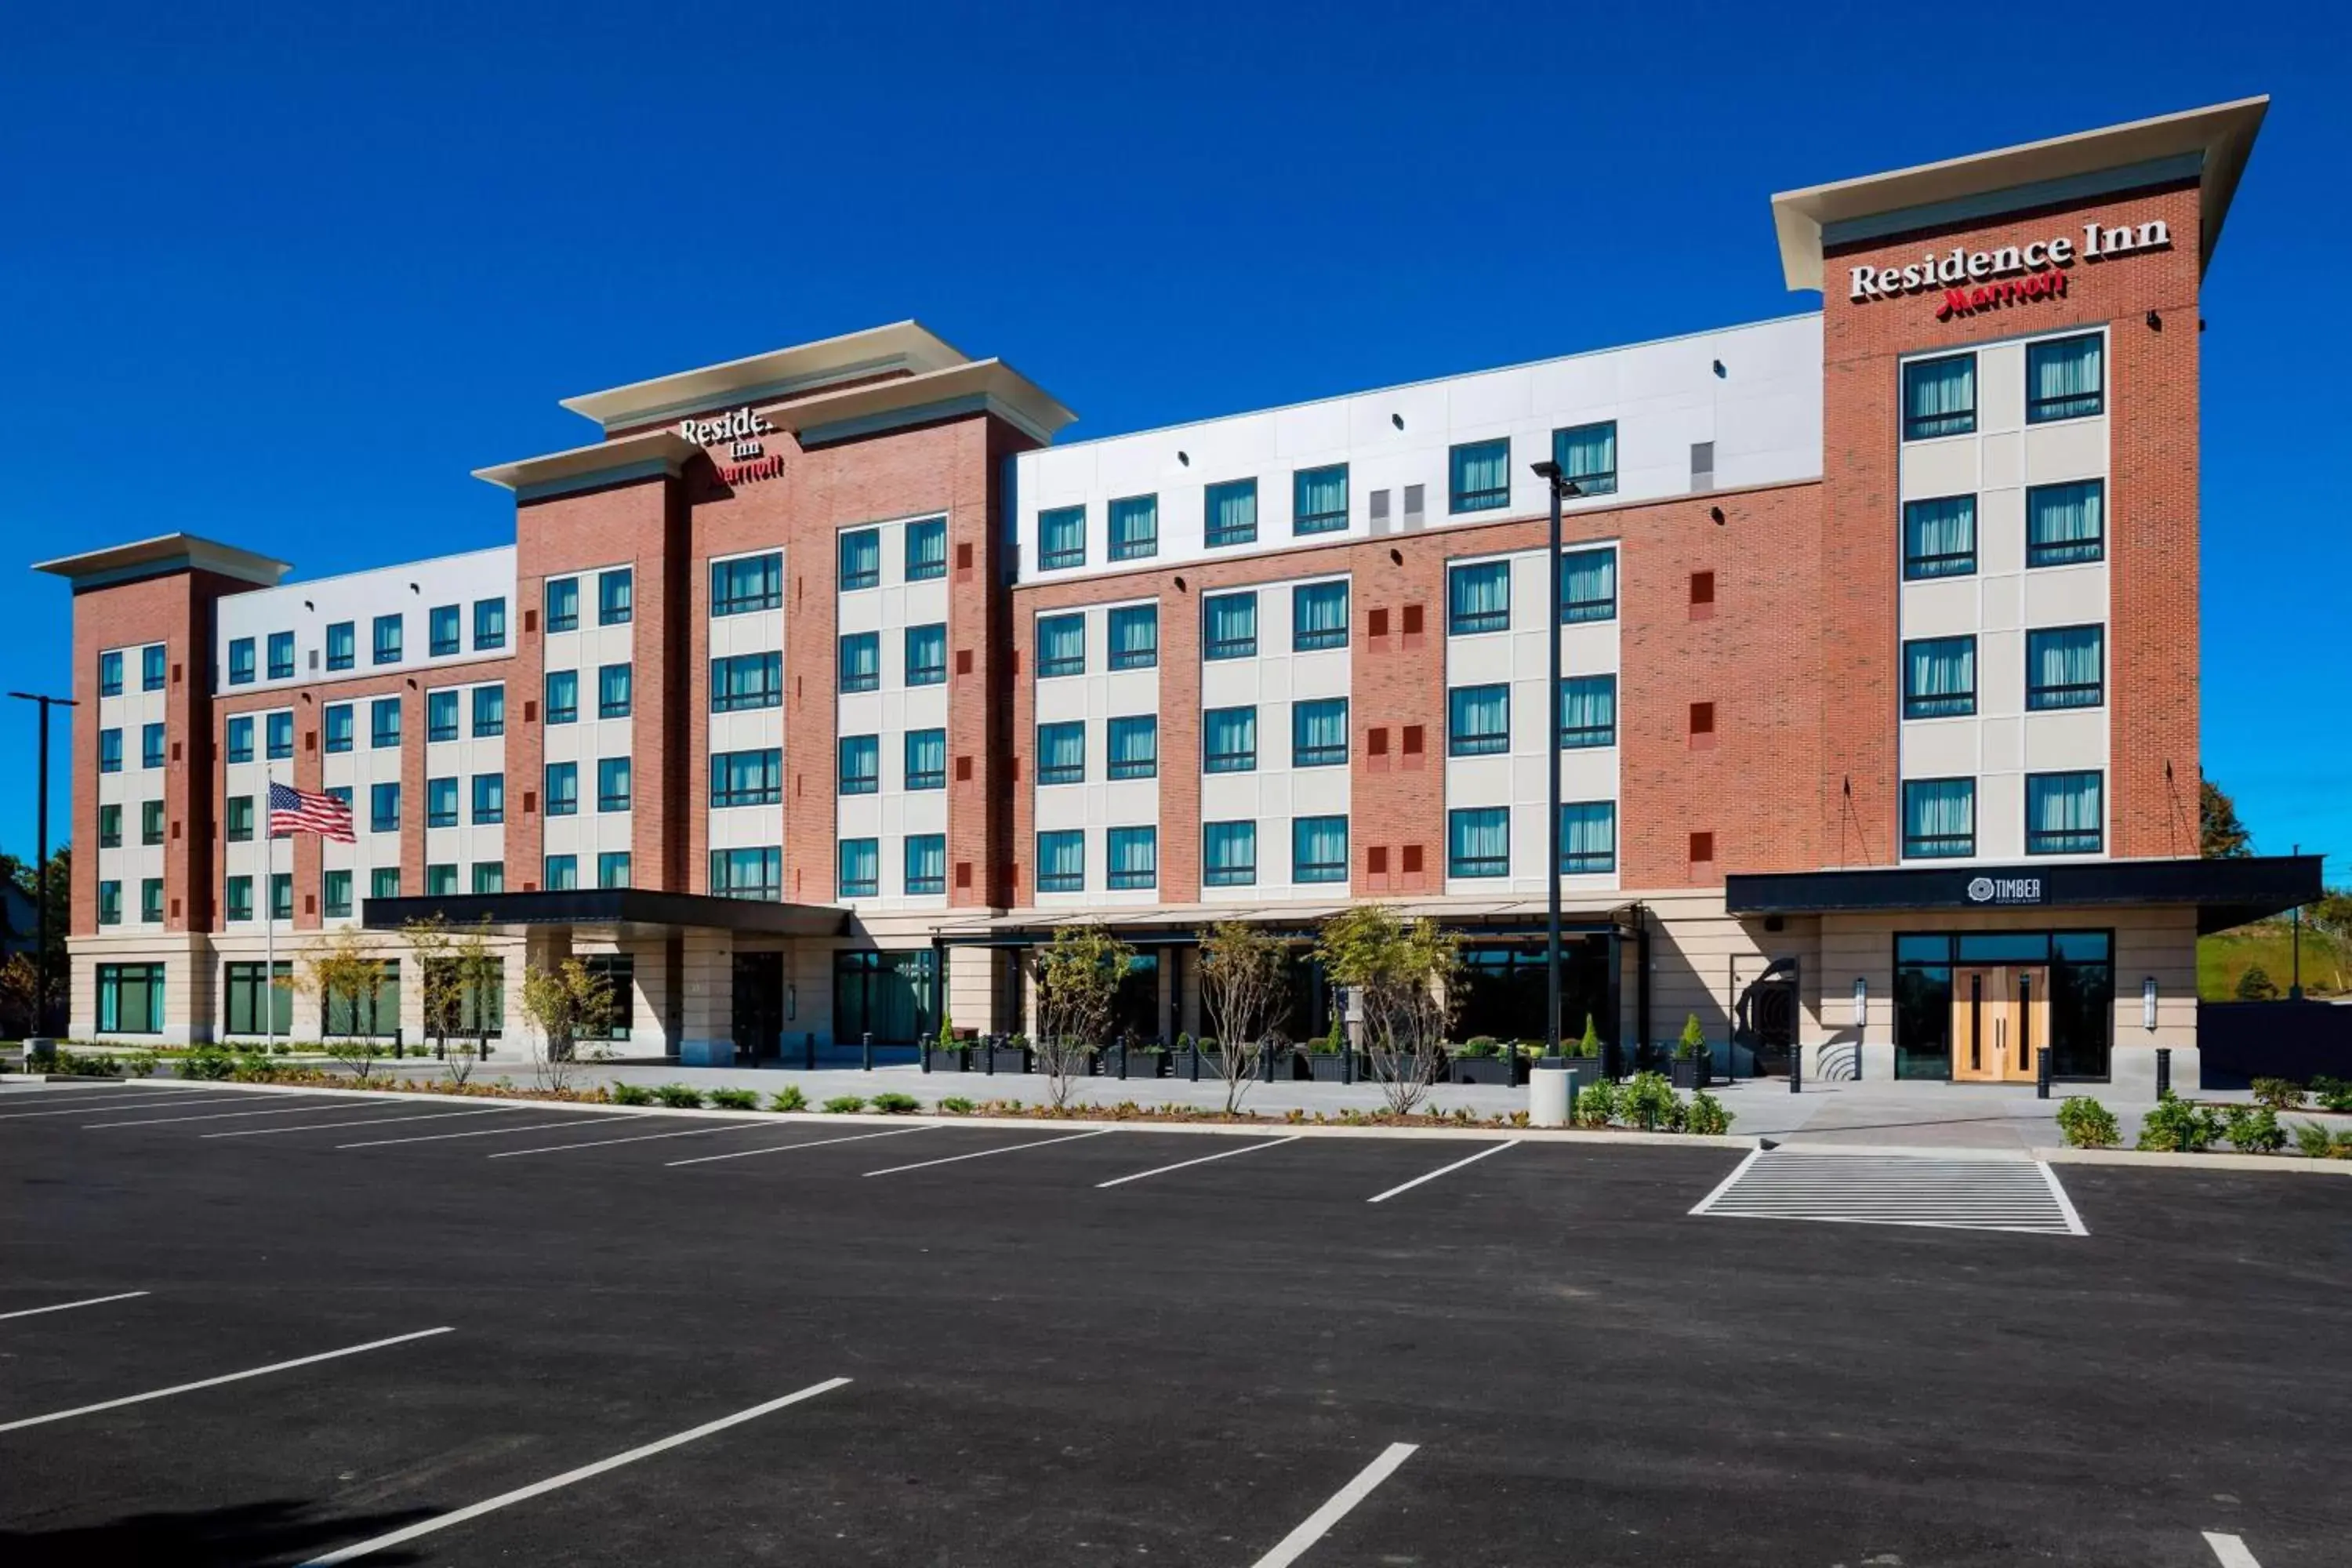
[(1548, 472), (1545, 469)]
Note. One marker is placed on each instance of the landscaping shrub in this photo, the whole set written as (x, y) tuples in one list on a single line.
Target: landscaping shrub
[(2087, 1124), (207, 1064), (735, 1098), (632, 1094), (1589, 1044), (1480, 1046), (140, 1064), (2179, 1127), (2313, 1142), (2332, 1093), (1648, 1098), (85, 1064), (844, 1105), (1596, 1104), (789, 1098), (2254, 1129), (678, 1096), (956, 1105), (1706, 1116), (2278, 1093), (1692, 1047), (2254, 985), (896, 1104)]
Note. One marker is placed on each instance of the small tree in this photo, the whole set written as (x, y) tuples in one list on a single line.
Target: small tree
[(342, 964), (1241, 986), (564, 1001), (20, 986), (1400, 971), (437, 995), (480, 978), (1078, 975), (1692, 1045), (2256, 986), (2220, 834)]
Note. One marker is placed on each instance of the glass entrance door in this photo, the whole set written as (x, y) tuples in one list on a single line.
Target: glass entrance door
[(758, 1005), (2001, 1016)]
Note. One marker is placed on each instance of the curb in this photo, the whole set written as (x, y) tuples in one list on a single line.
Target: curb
[(2199, 1161)]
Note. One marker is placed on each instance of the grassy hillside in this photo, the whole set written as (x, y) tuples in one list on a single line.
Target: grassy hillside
[(2222, 958)]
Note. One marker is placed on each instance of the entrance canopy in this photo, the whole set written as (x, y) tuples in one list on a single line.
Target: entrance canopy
[(2225, 893), (1181, 924), (627, 912)]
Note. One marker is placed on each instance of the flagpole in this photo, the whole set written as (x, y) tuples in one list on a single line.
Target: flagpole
[(269, 915)]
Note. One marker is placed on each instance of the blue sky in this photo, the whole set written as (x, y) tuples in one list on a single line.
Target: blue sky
[(284, 279)]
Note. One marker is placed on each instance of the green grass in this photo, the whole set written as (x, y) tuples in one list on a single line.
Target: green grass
[(2224, 957)]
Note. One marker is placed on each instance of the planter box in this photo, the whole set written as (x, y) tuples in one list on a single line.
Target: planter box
[(1325, 1067), (1693, 1072), (1135, 1064), (1005, 1058), (937, 1060), (1496, 1070), (1182, 1063)]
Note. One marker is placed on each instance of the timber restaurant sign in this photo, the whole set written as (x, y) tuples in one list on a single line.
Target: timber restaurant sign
[(1974, 281), (740, 432)]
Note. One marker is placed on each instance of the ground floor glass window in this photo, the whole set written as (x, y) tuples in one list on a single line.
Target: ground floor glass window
[(2072, 971), (885, 994), (247, 994), (130, 998)]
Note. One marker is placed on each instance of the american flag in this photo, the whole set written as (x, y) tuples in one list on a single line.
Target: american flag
[(296, 810)]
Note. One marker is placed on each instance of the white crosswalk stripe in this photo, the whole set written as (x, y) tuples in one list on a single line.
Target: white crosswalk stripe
[(1941, 1192)]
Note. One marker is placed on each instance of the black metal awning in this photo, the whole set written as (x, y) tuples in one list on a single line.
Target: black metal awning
[(2224, 893), (630, 911), (1181, 925)]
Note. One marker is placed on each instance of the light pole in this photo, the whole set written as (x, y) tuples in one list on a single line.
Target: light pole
[(41, 865), (1561, 488)]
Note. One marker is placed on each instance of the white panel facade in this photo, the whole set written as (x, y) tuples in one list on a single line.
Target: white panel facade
[(411, 591), (588, 833), (1101, 803), (894, 813)]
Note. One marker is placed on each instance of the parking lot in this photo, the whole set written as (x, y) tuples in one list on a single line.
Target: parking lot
[(252, 1327)]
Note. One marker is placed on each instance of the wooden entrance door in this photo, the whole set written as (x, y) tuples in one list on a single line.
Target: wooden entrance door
[(2001, 1016)]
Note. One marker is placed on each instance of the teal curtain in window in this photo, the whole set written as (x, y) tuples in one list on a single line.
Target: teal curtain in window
[(1588, 711), (1318, 733), (2063, 813), (1062, 753), (1229, 740), (1587, 455), (1588, 585), (1478, 598), (440, 715), (927, 759), (2066, 524), (1135, 528), (1318, 500), (1232, 626), (861, 558), (1478, 720), (562, 696), (927, 863), (1062, 537), (2065, 668), (861, 867), (860, 663), (1481, 473), (615, 690), (1939, 817), (1134, 857), (1062, 645), (1061, 861), (1478, 841), (1588, 838), (1134, 744), (1229, 854), (1232, 513), (1940, 678), (1135, 637), (1939, 537), (861, 764), (489, 710), (1318, 616), (927, 653), (2065, 379), (1318, 849), (926, 550), (1939, 397), (560, 873)]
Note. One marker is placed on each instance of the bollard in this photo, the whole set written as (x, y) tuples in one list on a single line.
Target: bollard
[(808, 1049), (1797, 1067), (988, 1054), (2041, 1073), (2163, 1071), (1196, 1061), (866, 1046)]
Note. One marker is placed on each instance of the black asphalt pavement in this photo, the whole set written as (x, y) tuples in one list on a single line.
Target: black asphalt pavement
[(1180, 1370)]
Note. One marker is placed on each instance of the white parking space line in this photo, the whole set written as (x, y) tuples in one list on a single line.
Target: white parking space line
[(439, 1137), (984, 1153), (788, 1148), (372, 1122), (553, 1483), (1443, 1169), (1188, 1164), (310, 1106), (69, 1306), (1318, 1524), (217, 1382), (2230, 1551), (640, 1138), (85, 1111)]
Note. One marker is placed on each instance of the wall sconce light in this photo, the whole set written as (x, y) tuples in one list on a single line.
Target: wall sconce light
[(1716, 512), (1185, 458), (1180, 585), (1397, 420), (308, 605), (791, 1001), (415, 589), (1860, 1002), (1719, 372), (2148, 1003), (2155, 322), (1396, 557)]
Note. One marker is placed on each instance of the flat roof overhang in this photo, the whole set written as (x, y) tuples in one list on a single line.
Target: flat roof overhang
[(1181, 925), (2224, 893), (637, 912)]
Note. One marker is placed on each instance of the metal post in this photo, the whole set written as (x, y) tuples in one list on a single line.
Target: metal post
[(1549, 471), (808, 1049), (2041, 1073), (2294, 985), (866, 1046), (988, 1054), (2163, 1071), (1797, 1058), (269, 920)]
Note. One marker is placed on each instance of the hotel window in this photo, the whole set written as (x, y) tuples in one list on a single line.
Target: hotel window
[(1939, 818), (564, 604), (560, 873), (1318, 616), (1229, 740), (383, 723), (151, 823), (858, 666), (2065, 378), (238, 748), (1587, 712), (613, 869), (110, 902), (562, 696), (1231, 513), (282, 896), (860, 764), (1478, 598), (925, 865), (1478, 720), (441, 714), (489, 799), (2063, 815), (237, 900), (1229, 854), (2065, 525), (130, 998), (281, 656), (1588, 838), (441, 632), (490, 624), (860, 552), (616, 597), (613, 783), (335, 895), (387, 640), (383, 882), (342, 645), (746, 681), (747, 778), (383, 808), (1061, 538), (1135, 528), (1230, 621), (339, 793), (110, 746), (1588, 587), (926, 655), (240, 661), (927, 759), (441, 881), (1062, 753), (1134, 746), (926, 550), (151, 900), (489, 877), (490, 711), (109, 826), (1940, 678), (152, 744), (1319, 501), (742, 586), (748, 873), (617, 688), (1318, 849), (860, 874), (1939, 397), (1480, 474), (277, 738), (441, 802), (1319, 733), (1133, 854), (1478, 841), (152, 660), (1939, 538), (1061, 861), (254, 1004), (109, 674), (1061, 646), (1587, 456), (335, 721), (1135, 637), (562, 783)]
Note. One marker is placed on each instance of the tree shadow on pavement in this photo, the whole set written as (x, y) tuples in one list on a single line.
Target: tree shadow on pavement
[(279, 1530)]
